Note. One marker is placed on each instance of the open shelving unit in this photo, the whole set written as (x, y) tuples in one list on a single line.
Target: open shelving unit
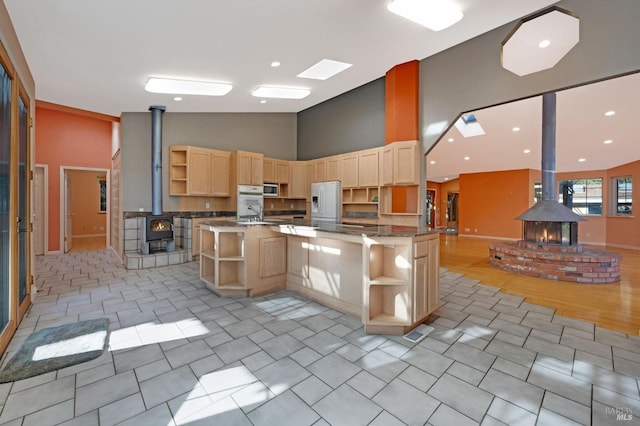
[(388, 284), (178, 171), (223, 260)]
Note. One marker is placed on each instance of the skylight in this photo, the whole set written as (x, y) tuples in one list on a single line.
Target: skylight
[(468, 126), (324, 69)]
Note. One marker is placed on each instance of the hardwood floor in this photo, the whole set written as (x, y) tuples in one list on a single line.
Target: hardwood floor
[(613, 306), (80, 244)]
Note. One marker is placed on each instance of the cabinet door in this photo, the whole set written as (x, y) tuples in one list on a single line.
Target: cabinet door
[(420, 288), (281, 171), (334, 168), (387, 166), (220, 172), (256, 169), (434, 275), (200, 180), (243, 168), (407, 166), (268, 170), (298, 179), (350, 171), (368, 168), (298, 256), (273, 256), (319, 170)]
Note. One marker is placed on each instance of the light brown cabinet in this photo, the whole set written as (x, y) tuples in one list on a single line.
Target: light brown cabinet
[(249, 168), (198, 171), (298, 183), (334, 168), (319, 167), (350, 170), (401, 164), (275, 171), (273, 256), (368, 167)]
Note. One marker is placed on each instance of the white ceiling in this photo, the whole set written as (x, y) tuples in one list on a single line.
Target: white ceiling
[(97, 55), (581, 128)]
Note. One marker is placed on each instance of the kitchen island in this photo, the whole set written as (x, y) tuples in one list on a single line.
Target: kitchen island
[(385, 275)]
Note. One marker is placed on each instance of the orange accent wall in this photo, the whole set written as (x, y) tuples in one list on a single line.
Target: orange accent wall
[(401, 102), (624, 231), (85, 203), (489, 203), (401, 122), (72, 140)]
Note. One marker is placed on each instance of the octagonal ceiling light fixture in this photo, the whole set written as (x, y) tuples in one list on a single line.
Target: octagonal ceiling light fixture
[(540, 41)]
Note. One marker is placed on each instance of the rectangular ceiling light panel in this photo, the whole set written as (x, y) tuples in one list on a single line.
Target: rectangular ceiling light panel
[(280, 92), (324, 69), (186, 87), (433, 14)]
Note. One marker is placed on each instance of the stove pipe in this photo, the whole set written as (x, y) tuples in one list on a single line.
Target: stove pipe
[(548, 146), (156, 158)]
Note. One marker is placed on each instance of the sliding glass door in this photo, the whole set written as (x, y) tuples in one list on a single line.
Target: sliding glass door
[(23, 206), (5, 191)]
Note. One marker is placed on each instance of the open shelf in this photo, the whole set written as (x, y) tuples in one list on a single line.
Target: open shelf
[(231, 274), (231, 245), (360, 195), (207, 270), (388, 304), (389, 264)]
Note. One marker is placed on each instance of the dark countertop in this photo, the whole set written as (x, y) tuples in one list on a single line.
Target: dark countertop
[(364, 230)]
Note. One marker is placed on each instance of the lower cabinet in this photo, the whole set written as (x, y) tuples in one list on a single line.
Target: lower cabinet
[(242, 260)]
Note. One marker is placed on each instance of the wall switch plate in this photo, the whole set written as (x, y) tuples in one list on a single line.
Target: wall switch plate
[(207, 205)]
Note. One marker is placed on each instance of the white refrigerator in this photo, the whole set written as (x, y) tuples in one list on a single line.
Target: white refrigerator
[(326, 201)]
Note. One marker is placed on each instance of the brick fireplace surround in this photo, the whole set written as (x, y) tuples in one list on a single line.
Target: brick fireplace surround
[(555, 262)]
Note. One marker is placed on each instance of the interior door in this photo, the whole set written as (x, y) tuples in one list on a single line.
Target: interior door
[(67, 212), (430, 217), (452, 210), (38, 211)]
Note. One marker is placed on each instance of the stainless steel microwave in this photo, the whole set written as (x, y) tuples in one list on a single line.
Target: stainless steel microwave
[(270, 190)]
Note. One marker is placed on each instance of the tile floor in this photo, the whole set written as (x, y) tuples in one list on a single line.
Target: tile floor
[(181, 355)]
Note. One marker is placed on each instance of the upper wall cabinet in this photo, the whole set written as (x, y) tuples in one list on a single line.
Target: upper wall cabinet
[(198, 171), (401, 164), (248, 168), (275, 171), (298, 182), (350, 170), (334, 167), (368, 167)]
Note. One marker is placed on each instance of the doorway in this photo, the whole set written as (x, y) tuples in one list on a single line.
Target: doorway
[(84, 205), (431, 208), (40, 209), (452, 211)]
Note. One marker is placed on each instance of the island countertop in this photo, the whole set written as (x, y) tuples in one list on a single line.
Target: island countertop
[(364, 230)]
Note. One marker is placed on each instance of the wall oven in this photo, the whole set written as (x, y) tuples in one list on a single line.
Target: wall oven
[(270, 189)]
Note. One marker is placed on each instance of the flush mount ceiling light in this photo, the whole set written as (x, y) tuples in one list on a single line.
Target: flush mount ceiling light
[(539, 42), (280, 92), (186, 87), (324, 69), (433, 14)]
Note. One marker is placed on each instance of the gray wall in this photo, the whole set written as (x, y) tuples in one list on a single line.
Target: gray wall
[(273, 134), (470, 76), (352, 121)]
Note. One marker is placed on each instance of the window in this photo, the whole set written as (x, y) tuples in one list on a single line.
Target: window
[(583, 196), (621, 196), (103, 196)]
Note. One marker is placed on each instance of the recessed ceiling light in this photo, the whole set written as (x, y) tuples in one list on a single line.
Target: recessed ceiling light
[(610, 113), (177, 99), (467, 158), (607, 142), (263, 101), (450, 140), (324, 69), (446, 178), (582, 160), (526, 151), (516, 129), (280, 92), (543, 44), (435, 15), (275, 64), (186, 87), (432, 162)]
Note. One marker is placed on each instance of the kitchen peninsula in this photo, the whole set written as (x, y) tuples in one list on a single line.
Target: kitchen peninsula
[(386, 275)]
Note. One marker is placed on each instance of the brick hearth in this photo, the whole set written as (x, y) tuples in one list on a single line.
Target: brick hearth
[(554, 262)]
